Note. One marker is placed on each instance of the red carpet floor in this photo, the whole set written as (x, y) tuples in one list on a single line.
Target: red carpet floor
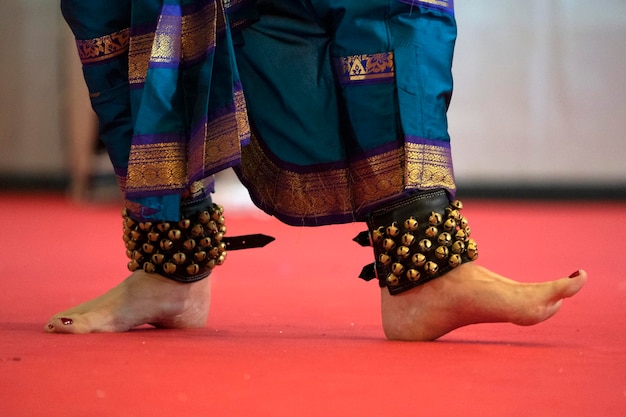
[(293, 332)]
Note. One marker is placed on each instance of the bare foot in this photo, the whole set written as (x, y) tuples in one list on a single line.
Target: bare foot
[(471, 294), (141, 298)]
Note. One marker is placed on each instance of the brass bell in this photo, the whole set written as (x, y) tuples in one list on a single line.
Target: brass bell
[(147, 248), (220, 260), (129, 254), (222, 229), (445, 239), (472, 249), (397, 268), (174, 234), (197, 230), (442, 252), (418, 259), (435, 219), (221, 248), (389, 244), (199, 256), (133, 266), (128, 222), (216, 215), (464, 223), (163, 227), (457, 204), (205, 242), (218, 237), (221, 220), (149, 267), (214, 252), (393, 230), (455, 260), (378, 235), (131, 245), (211, 264), (189, 244), (431, 268), (179, 258), (126, 236), (392, 280), (425, 245), (431, 232), (204, 217), (136, 255), (166, 245), (158, 258), (403, 252), (145, 226), (449, 225), (413, 274), (212, 226), (408, 239), (411, 224), (184, 224), (135, 235), (454, 214), (193, 269), (169, 268), (458, 247), (460, 235), (384, 259), (153, 236), (124, 212)]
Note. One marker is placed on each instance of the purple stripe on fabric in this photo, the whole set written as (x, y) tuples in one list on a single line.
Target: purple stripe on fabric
[(158, 138), (443, 5)]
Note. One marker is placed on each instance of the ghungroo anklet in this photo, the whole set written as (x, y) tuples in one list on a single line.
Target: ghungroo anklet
[(416, 240), (184, 251)]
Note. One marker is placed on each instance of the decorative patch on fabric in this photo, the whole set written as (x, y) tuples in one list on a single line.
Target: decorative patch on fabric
[(444, 5), (104, 47), (334, 193), (366, 68), (158, 166)]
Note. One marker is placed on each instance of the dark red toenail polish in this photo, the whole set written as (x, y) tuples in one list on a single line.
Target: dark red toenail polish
[(575, 274), (66, 321)]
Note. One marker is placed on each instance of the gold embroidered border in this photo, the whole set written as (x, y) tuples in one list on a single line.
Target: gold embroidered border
[(198, 31), (104, 47), (139, 57), (345, 191), (160, 166), (428, 166), (366, 67), (177, 38)]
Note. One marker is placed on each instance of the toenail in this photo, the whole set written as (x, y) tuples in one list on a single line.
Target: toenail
[(66, 321), (50, 326), (575, 274)]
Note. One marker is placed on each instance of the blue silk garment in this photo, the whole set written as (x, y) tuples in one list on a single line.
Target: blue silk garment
[(347, 99), (163, 82)]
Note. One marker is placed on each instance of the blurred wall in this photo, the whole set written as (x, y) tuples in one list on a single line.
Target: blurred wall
[(540, 91)]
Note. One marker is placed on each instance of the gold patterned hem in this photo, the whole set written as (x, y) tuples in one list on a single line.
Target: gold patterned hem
[(303, 197)]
